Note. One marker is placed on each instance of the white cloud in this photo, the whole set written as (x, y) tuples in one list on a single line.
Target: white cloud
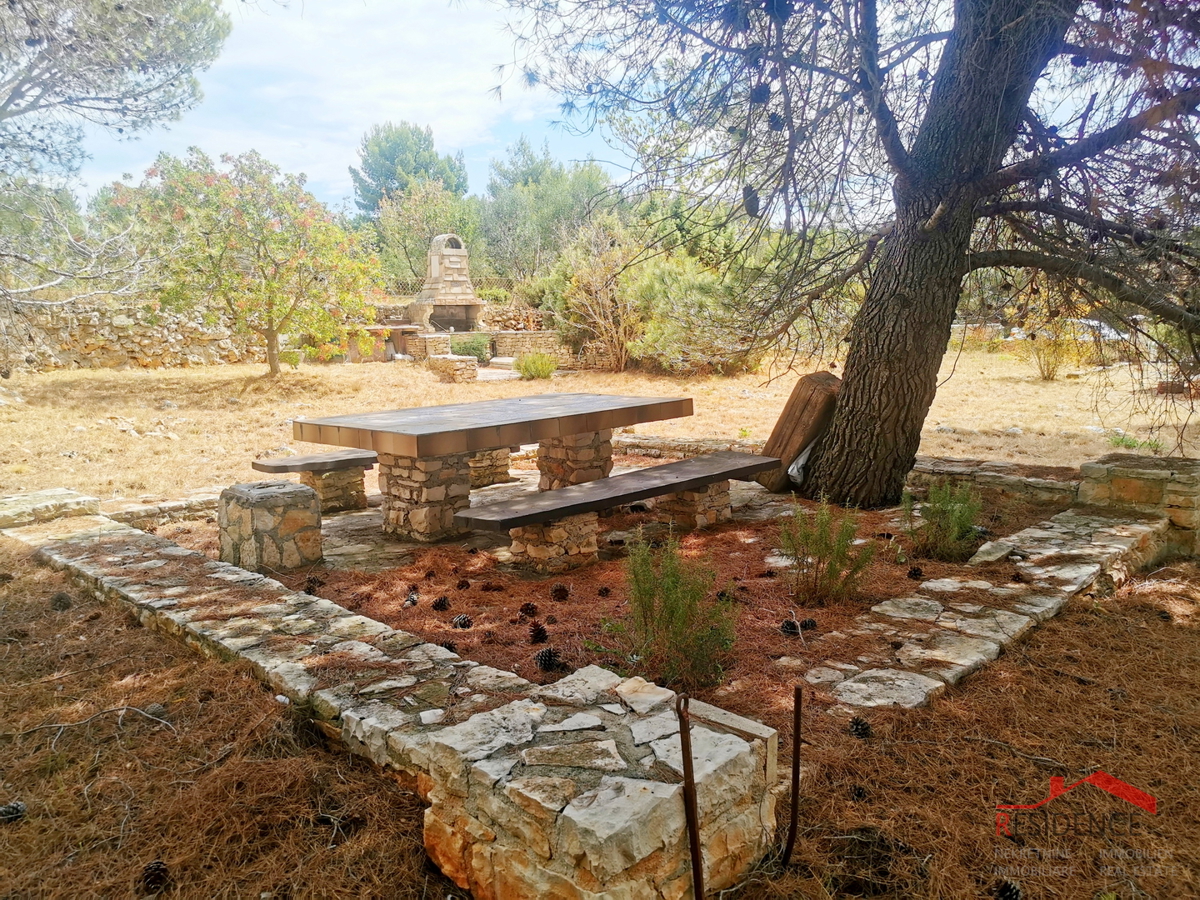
[(302, 84)]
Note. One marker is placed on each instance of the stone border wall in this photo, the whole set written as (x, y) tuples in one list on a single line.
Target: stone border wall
[(91, 336)]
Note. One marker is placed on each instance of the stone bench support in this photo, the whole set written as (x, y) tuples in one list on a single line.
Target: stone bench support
[(267, 526), (696, 509), (339, 490), (556, 546), (574, 459), (422, 494)]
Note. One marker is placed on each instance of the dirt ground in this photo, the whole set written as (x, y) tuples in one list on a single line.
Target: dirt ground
[(156, 434)]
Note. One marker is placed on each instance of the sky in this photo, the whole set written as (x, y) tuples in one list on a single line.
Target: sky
[(301, 83)]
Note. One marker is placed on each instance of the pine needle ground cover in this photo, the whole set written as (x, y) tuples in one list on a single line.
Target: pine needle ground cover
[(143, 767)]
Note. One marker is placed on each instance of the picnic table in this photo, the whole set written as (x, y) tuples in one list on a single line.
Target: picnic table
[(425, 452)]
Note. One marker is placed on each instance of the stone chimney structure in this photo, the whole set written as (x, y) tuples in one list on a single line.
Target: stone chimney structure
[(447, 301)]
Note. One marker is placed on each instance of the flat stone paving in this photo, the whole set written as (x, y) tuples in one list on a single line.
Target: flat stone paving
[(930, 639)]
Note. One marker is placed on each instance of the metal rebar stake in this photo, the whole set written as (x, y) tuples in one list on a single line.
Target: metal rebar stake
[(797, 716), (689, 795)]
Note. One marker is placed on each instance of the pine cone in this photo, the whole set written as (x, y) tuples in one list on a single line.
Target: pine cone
[(1008, 890), (858, 792), (547, 660), (449, 645), (489, 637), (790, 627), (430, 575), (60, 602), (12, 812), (861, 728), (493, 586), (537, 633), (915, 573), (808, 624), (529, 609), (604, 592), (551, 620), (312, 583), (441, 604), (157, 710), (154, 878), (560, 592), (463, 585), (462, 621)]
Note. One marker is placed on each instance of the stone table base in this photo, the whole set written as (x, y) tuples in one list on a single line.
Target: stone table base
[(421, 495), (574, 459), (490, 467), (555, 546)]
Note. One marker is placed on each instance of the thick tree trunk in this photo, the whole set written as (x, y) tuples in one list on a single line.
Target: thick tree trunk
[(896, 345), (987, 72), (272, 338)]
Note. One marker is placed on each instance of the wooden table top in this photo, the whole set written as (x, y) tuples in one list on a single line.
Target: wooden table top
[(486, 424)]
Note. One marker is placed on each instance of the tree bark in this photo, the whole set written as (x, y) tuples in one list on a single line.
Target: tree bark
[(272, 338), (988, 69)]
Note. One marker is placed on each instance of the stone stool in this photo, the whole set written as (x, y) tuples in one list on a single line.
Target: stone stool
[(267, 526), (696, 509)]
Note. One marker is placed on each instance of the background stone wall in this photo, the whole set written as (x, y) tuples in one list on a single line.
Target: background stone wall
[(109, 337)]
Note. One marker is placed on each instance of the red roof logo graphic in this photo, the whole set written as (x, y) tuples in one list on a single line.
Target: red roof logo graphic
[(1102, 780)]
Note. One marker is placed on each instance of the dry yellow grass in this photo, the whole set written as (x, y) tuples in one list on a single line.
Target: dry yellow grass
[(107, 433)]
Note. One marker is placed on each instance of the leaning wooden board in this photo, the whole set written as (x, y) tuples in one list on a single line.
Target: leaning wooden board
[(805, 417)]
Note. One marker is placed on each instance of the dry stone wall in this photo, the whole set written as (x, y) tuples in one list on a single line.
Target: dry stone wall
[(112, 337)]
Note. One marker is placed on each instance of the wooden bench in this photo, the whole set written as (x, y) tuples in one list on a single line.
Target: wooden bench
[(557, 529), (336, 477)]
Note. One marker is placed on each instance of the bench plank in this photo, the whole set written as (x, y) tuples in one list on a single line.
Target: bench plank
[(319, 462), (605, 493)]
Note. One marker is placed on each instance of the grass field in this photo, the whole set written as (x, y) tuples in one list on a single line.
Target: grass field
[(160, 433)]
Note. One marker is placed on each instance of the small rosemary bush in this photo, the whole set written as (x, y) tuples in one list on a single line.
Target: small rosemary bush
[(535, 365), (828, 565), (950, 515), (676, 632), (477, 345)]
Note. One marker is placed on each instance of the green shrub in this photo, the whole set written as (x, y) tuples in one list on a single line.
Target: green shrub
[(477, 345), (676, 633), (493, 294), (949, 531), (828, 565), (535, 365), (290, 358)]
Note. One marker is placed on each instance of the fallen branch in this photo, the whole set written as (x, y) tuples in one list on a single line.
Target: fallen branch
[(61, 726)]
